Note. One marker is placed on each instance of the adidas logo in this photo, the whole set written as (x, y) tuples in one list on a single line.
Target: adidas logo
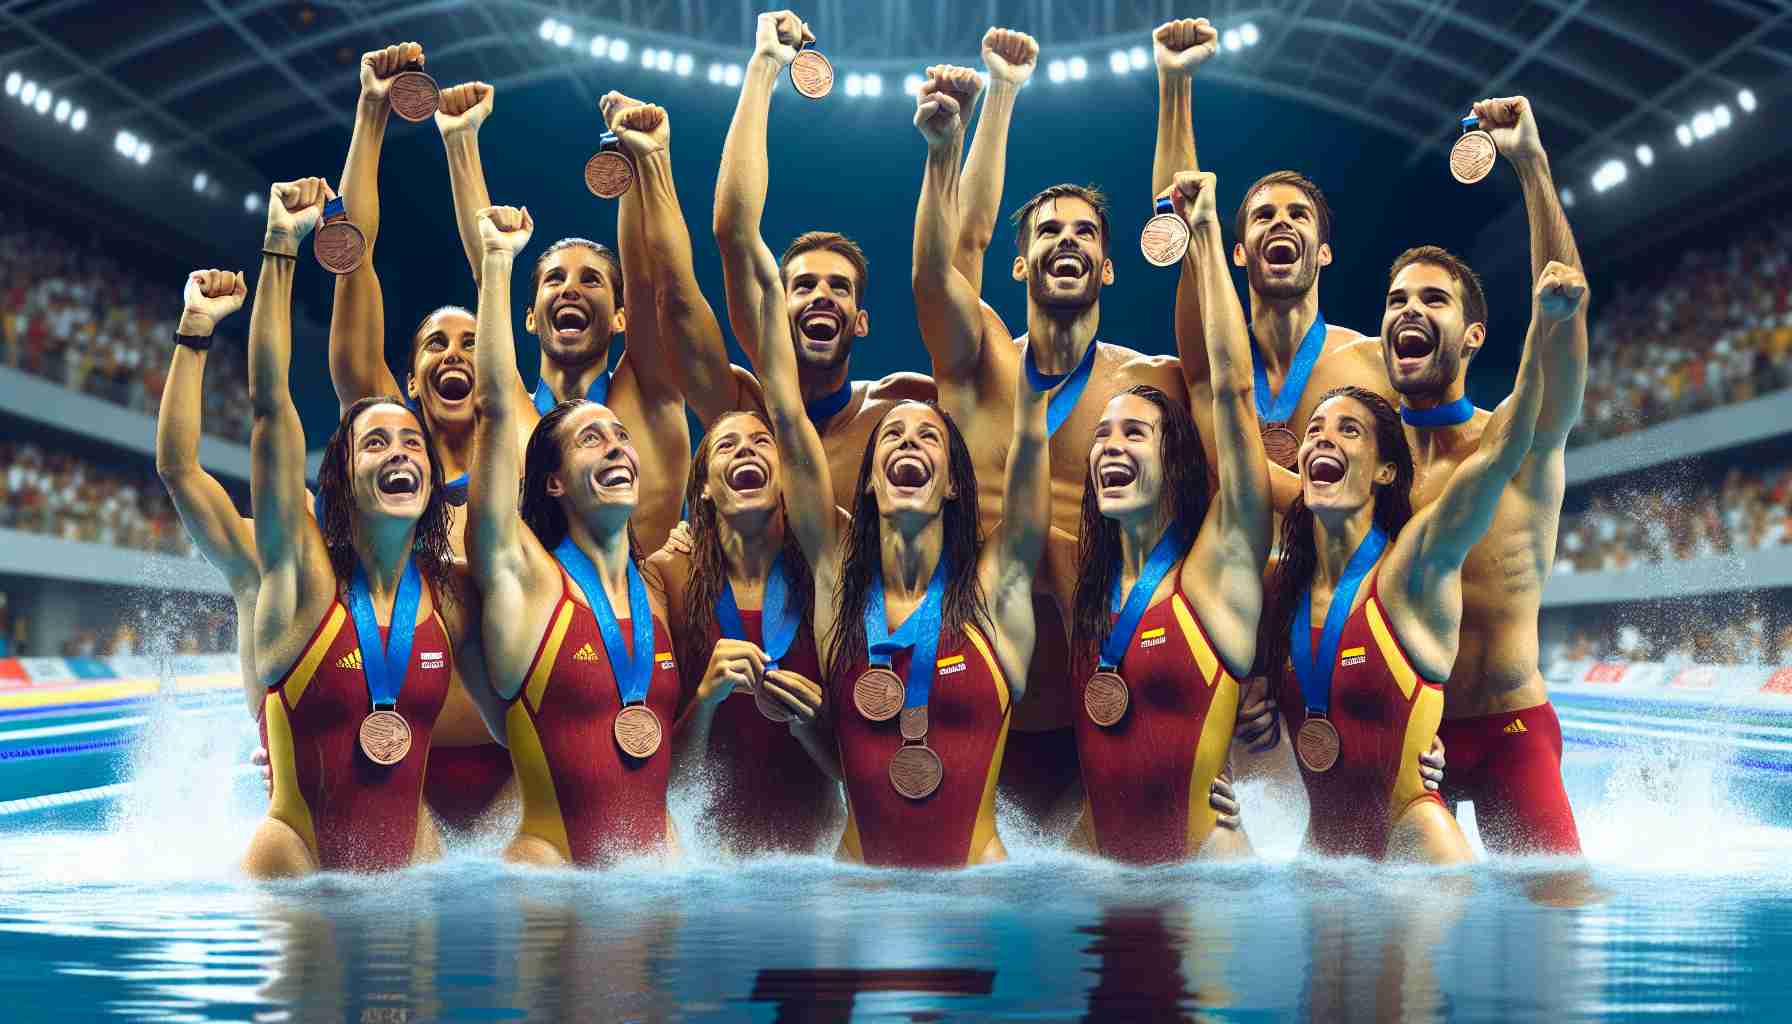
[(585, 653), (1516, 727), (350, 660)]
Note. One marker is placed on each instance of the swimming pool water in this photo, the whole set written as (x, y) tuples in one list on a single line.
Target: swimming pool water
[(134, 909)]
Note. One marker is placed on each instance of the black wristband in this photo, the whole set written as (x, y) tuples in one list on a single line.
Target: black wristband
[(196, 342), (281, 255)]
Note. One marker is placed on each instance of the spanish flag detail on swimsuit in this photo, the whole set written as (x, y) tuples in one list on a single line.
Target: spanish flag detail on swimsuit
[(1386, 715), (581, 793), (968, 714), (353, 814), (1146, 778)]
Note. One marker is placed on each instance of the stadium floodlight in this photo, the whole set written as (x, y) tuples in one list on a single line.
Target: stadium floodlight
[(1703, 126), (855, 86), (63, 109), (1684, 134), (648, 56), (715, 74), (124, 142), (1746, 100), (1078, 68), (42, 105), (200, 181), (1567, 197), (618, 50), (1138, 58), (28, 92), (663, 60), (684, 64), (1231, 40), (600, 45), (77, 121), (1117, 62), (14, 82), (731, 75), (874, 85), (251, 203), (1056, 71), (1721, 115), (143, 152), (562, 35), (548, 27), (1247, 33), (1610, 175), (911, 84), (1645, 155)]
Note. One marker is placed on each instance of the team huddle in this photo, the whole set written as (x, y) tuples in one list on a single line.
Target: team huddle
[(1055, 572)]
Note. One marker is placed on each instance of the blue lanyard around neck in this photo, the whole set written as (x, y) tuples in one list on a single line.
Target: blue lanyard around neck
[(633, 665), (1278, 407), (384, 665), (1448, 414), (1170, 549), (921, 631), (1316, 674), (598, 392), (828, 406), (1070, 385), (778, 622)]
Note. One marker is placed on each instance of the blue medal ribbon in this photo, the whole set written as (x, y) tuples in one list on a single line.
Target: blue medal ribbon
[(921, 630), (1316, 674), (633, 665), (778, 622), (1448, 414), (827, 407), (454, 491), (384, 665), (1277, 407), (1057, 410), (598, 392), (1170, 549)]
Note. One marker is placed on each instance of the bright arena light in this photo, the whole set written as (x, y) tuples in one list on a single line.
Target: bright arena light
[(1684, 134), (715, 74), (14, 82), (77, 121), (1721, 115), (1231, 40), (618, 50), (200, 181), (1078, 67), (251, 203), (63, 109), (855, 86), (1247, 33), (548, 27), (28, 93), (731, 74), (1746, 100), (42, 105), (874, 85), (1703, 126), (648, 56), (143, 152), (562, 35), (1117, 62), (1138, 58), (683, 64), (911, 84), (1645, 155), (663, 60), (1567, 197), (600, 45), (124, 142), (1056, 71), (1610, 175)]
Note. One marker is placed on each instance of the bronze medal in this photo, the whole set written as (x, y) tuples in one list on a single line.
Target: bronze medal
[(812, 74), (1106, 698), (771, 707), (878, 694), (913, 723), (1472, 157), (339, 246), (1164, 240), (385, 737), (1280, 444), (916, 772), (1317, 745), (609, 174), (637, 731), (414, 95)]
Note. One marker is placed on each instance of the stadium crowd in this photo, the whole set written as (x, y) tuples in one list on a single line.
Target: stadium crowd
[(66, 496), (1749, 510), (1734, 630)]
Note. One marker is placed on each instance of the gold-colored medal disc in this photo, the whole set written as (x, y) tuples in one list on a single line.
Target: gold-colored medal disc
[(339, 246), (812, 74), (1280, 444), (1164, 240), (609, 174), (1106, 698), (878, 694), (1472, 157), (637, 731), (916, 772), (1317, 745), (385, 737)]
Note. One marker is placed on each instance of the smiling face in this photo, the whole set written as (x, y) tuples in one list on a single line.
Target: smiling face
[(910, 464), (1280, 246), (575, 309), (1340, 466), (442, 366), (388, 462), (1065, 264), (599, 469), (1126, 460), (1425, 336), (741, 475), (821, 289)]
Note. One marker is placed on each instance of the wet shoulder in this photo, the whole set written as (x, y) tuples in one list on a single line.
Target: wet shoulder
[(902, 387), (666, 573), (1129, 366)]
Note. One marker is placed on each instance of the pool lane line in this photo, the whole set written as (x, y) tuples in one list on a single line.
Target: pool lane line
[(30, 804), (102, 725)]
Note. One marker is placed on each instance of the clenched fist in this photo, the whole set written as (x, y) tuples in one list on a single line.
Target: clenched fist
[(1513, 127), (378, 67), (735, 666), (961, 83), (937, 117), (293, 210), (210, 296), (505, 229), (1010, 56), (1561, 292), (778, 35), (1182, 46), (1192, 193), (794, 693), (464, 107), (642, 128)]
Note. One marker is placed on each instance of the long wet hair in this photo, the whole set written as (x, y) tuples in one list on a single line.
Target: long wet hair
[(335, 498), (709, 565), (1098, 551), (1300, 552), (963, 604), (542, 512)]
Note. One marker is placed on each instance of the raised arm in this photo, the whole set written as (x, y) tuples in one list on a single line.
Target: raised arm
[(1178, 48), (651, 362), (358, 314), (463, 110), (748, 266), (1513, 125), (804, 461), (204, 506), (1234, 542), (284, 528), (946, 306), (1019, 540), (1011, 58), (495, 533)]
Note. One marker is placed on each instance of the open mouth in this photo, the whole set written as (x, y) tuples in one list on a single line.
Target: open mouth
[(746, 476), (616, 476), (1068, 264), (1116, 474), (454, 383), (1281, 251), (402, 478), (820, 324), (570, 321), (1413, 340), (1325, 469), (908, 471)]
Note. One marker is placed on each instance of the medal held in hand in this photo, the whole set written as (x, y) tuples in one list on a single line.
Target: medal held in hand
[(1165, 238), (338, 244), (384, 734), (608, 174), (414, 95), (778, 625), (811, 73), (1474, 154), (1280, 444)]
